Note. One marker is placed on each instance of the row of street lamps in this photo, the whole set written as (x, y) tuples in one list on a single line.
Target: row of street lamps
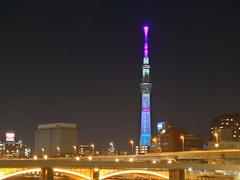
[(131, 142), (182, 137), (111, 144), (74, 148)]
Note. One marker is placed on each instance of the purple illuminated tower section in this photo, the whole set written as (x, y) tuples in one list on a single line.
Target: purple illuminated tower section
[(145, 86)]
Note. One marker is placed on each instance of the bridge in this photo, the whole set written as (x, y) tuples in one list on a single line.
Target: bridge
[(170, 165)]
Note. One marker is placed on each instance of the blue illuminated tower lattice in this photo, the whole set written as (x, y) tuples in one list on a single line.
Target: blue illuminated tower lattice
[(146, 86)]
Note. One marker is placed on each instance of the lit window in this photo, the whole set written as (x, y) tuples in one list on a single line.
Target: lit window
[(227, 123), (234, 135), (145, 72), (222, 123), (145, 60)]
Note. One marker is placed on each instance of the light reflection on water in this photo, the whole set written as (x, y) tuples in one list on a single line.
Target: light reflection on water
[(37, 178)]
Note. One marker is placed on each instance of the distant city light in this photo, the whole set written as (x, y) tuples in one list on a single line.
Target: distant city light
[(10, 137), (111, 144), (131, 160), (45, 157), (154, 161), (77, 158), (169, 162), (163, 131), (160, 125), (190, 169), (90, 158)]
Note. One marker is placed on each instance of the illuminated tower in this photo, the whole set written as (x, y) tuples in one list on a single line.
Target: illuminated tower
[(146, 86)]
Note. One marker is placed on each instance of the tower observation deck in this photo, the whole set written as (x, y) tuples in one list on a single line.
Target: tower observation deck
[(145, 86)]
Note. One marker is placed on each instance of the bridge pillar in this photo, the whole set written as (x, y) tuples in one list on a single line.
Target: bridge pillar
[(95, 174), (176, 174), (47, 174)]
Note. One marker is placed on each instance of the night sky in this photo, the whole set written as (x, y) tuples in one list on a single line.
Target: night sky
[(80, 62)]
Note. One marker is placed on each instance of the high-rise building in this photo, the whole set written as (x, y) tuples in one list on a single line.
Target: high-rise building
[(226, 121), (145, 86), (176, 139), (192, 142), (56, 139), (225, 131), (169, 139)]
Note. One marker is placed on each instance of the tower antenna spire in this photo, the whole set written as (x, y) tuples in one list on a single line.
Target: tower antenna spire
[(145, 28)]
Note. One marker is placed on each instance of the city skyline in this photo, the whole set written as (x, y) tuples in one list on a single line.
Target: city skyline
[(81, 63)]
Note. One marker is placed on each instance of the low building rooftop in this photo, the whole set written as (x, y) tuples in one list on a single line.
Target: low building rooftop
[(57, 125)]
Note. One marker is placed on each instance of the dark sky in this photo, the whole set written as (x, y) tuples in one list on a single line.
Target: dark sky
[(80, 61)]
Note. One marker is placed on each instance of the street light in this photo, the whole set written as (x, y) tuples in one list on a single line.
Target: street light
[(58, 151), (45, 157), (182, 138), (93, 148), (155, 141), (216, 138), (131, 142), (130, 160), (43, 150), (154, 161), (111, 144), (77, 158), (112, 150), (29, 152), (90, 158), (75, 149), (17, 153)]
